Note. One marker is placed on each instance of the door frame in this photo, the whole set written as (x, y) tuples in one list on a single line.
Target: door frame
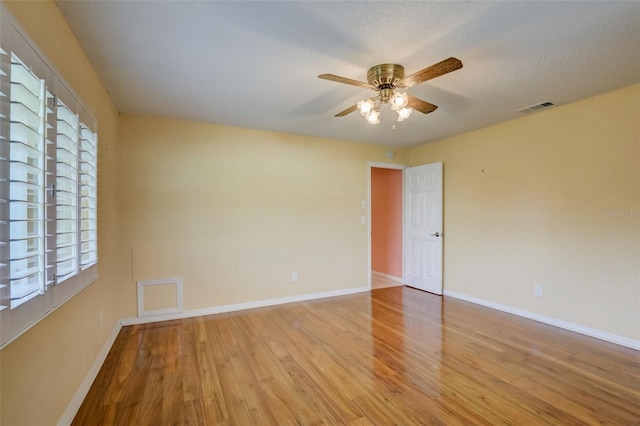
[(370, 165)]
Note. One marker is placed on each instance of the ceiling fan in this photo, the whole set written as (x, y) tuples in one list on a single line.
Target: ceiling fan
[(388, 80)]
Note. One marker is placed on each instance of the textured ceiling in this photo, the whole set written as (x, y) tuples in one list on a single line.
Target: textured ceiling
[(255, 64)]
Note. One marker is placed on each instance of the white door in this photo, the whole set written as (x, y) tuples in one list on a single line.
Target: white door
[(423, 227)]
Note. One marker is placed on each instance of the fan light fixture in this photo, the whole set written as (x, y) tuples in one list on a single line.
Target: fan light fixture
[(370, 108), (388, 80), (372, 116), (399, 100), (404, 113), (365, 106)]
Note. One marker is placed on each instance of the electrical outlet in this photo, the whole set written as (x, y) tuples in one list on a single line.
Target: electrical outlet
[(537, 290), (294, 277)]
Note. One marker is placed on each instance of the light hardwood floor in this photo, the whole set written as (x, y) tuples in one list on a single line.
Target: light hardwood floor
[(381, 282), (389, 356)]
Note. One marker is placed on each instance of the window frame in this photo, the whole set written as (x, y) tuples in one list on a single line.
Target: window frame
[(15, 320)]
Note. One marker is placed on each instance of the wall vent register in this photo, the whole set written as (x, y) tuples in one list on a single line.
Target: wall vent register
[(537, 107)]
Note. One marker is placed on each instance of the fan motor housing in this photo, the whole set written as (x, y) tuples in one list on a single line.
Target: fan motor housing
[(385, 76)]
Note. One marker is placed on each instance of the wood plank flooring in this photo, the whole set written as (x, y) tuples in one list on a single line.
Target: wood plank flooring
[(389, 356), (382, 282)]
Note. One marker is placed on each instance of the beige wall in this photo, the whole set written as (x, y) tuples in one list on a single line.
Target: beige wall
[(41, 370), (235, 211), (526, 202)]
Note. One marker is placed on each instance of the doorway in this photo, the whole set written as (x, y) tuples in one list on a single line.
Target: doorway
[(385, 225), (405, 226)]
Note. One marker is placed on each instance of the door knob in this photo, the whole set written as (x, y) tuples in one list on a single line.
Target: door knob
[(437, 234)]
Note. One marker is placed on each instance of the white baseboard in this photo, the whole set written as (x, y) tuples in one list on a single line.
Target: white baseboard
[(242, 306), (83, 389), (387, 276), (598, 334)]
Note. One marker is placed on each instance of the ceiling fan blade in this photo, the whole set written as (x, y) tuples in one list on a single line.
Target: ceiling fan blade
[(420, 105), (344, 80), (433, 71), (347, 111)]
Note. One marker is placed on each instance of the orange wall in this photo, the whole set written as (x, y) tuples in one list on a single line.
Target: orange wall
[(386, 221)]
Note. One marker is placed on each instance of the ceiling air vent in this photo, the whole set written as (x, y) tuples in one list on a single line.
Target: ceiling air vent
[(538, 107)]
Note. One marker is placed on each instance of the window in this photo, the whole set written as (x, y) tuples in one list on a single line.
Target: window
[(88, 197), (66, 191), (48, 188), (27, 129)]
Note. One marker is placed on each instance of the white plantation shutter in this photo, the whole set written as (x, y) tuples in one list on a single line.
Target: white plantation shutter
[(5, 297), (48, 188), (26, 209), (50, 182), (26, 184), (88, 197), (76, 224), (66, 191)]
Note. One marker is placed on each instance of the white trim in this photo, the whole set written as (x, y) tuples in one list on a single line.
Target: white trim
[(85, 385), (598, 334), (243, 306), (386, 165), (387, 276), (370, 165), (140, 290)]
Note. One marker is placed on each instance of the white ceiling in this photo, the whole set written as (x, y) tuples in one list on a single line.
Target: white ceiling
[(255, 64)]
